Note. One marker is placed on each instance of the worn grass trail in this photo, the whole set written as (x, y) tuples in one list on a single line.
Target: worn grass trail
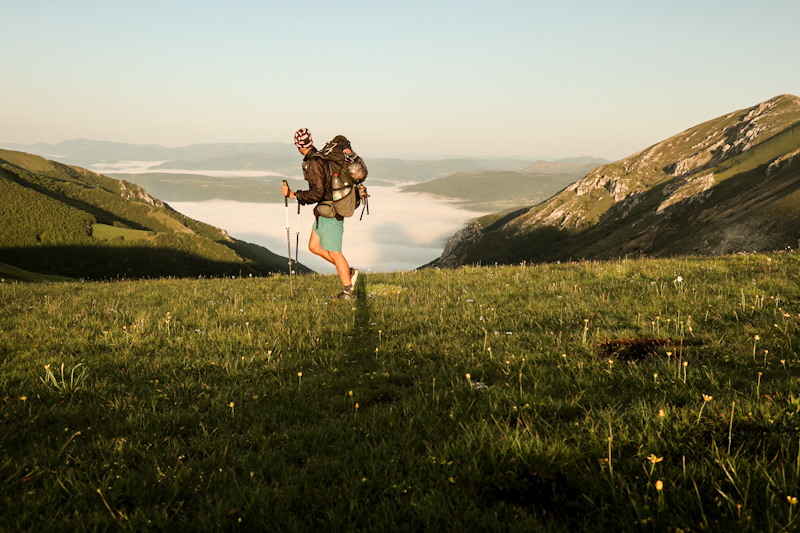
[(628, 395)]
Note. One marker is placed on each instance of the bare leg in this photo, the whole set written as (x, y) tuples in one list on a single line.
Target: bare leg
[(335, 258)]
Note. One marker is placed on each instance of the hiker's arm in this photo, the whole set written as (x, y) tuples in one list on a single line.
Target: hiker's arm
[(316, 183)]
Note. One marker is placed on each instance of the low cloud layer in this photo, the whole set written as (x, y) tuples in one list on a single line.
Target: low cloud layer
[(151, 167), (403, 230)]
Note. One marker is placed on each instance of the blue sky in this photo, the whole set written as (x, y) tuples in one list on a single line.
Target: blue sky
[(412, 78)]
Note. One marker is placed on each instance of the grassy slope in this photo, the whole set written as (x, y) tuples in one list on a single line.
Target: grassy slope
[(51, 209), (10, 273), (199, 188), (210, 405), (742, 212)]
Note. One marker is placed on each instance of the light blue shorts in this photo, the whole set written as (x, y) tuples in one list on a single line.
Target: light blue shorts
[(330, 232)]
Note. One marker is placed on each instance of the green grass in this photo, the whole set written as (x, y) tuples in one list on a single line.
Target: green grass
[(104, 231), (468, 399), (10, 273)]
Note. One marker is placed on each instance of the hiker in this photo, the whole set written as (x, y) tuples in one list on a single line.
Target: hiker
[(326, 233)]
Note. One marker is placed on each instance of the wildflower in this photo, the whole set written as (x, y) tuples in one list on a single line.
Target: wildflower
[(350, 393), (299, 374), (653, 459), (678, 279), (661, 413), (757, 337), (659, 485), (230, 405), (792, 500), (706, 399), (468, 376), (23, 398)]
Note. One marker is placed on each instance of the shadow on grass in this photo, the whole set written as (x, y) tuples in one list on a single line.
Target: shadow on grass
[(112, 262)]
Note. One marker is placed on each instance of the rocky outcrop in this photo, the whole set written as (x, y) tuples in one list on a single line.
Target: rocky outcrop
[(780, 163), (691, 190), (454, 253), (131, 191)]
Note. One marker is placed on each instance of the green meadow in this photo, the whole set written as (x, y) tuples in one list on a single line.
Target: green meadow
[(632, 395)]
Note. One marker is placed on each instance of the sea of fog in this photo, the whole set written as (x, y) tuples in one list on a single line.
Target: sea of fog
[(403, 230), (151, 167)]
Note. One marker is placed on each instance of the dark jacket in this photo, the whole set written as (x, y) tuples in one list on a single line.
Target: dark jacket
[(315, 172)]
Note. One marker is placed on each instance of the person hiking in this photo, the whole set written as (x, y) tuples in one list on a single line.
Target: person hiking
[(326, 233)]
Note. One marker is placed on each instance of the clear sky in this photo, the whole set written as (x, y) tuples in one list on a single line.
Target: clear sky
[(436, 77)]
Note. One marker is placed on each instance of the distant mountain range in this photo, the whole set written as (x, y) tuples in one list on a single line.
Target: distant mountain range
[(506, 189), (730, 184), (87, 152), (273, 157), (68, 221)]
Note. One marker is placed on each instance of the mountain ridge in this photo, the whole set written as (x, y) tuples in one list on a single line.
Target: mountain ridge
[(695, 192)]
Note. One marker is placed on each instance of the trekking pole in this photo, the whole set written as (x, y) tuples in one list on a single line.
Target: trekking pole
[(288, 241), (297, 244)]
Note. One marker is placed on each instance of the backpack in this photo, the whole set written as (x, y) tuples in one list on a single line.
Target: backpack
[(346, 172)]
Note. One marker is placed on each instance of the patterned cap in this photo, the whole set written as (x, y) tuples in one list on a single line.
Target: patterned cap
[(302, 139)]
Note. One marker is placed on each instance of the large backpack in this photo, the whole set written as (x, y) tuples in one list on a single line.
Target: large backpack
[(346, 173)]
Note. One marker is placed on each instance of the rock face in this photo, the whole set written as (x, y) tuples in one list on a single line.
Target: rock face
[(677, 196), (131, 191)]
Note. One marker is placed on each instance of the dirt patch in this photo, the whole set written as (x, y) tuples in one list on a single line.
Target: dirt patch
[(634, 349)]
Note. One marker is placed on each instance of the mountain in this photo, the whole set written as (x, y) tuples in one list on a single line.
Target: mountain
[(69, 221), (392, 170), (562, 167), (730, 184), (505, 189), (84, 151), (597, 161), (200, 188)]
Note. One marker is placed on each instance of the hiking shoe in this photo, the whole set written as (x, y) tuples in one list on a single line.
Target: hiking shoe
[(347, 294), (353, 276)]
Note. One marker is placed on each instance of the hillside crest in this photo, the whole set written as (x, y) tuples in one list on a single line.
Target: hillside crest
[(706, 174)]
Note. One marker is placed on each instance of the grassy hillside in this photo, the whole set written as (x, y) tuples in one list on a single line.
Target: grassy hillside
[(10, 274), (727, 185), (68, 221), (200, 188), (634, 395)]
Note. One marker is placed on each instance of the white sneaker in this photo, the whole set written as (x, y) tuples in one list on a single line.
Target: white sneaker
[(353, 276)]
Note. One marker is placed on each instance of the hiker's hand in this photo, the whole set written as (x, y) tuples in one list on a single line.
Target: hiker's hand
[(285, 190)]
